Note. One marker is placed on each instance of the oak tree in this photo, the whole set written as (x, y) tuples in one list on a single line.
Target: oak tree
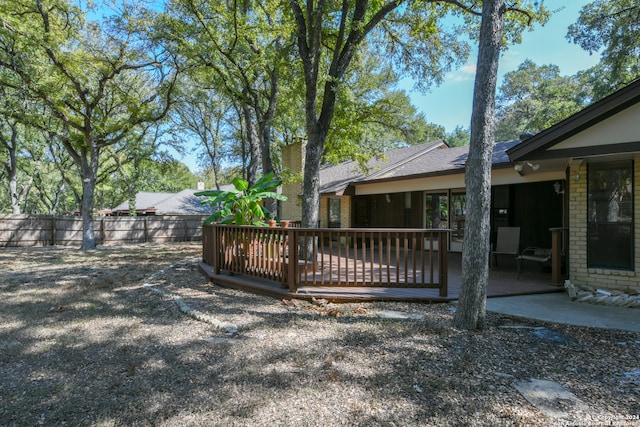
[(611, 27), (471, 312), (99, 80)]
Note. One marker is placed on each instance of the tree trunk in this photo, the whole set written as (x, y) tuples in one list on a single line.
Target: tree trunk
[(13, 185), (56, 200), (132, 205), (11, 168), (266, 128), (355, 23), (471, 310), (311, 181), (267, 165), (254, 145), (88, 175)]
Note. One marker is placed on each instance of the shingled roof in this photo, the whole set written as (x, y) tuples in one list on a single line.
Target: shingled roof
[(435, 158), (181, 203), (335, 179)]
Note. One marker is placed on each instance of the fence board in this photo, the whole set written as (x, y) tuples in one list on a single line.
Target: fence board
[(46, 230)]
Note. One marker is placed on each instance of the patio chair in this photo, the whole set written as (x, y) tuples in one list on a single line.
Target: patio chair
[(507, 243), (539, 255)]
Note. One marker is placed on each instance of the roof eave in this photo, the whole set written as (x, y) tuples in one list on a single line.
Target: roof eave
[(595, 113)]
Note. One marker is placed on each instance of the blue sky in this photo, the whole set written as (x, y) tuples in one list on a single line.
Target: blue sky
[(449, 104)]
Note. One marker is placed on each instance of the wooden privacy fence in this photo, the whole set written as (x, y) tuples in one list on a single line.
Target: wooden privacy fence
[(46, 230), (331, 257)]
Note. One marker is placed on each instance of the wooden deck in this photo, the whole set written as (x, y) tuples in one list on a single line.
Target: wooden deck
[(385, 258), (503, 281)]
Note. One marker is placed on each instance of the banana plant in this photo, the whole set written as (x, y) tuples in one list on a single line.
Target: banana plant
[(243, 205)]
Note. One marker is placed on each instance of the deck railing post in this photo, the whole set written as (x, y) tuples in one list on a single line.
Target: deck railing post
[(216, 255), (443, 254), (293, 275), (557, 237), (275, 254), (206, 245)]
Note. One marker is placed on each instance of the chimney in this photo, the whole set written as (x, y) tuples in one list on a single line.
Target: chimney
[(293, 167), (200, 186), (293, 156)]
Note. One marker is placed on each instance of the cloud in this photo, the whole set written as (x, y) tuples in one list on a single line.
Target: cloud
[(464, 74), (469, 69)]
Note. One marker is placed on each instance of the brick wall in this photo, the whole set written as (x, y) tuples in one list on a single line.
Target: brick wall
[(323, 212), (291, 209), (345, 211), (579, 273)]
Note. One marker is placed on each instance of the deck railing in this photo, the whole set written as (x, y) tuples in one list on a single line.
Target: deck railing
[(297, 257)]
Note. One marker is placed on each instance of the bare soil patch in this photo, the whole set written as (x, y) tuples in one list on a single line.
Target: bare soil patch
[(84, 342)]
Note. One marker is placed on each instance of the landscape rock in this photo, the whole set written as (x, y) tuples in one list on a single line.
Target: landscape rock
[(551, 398)]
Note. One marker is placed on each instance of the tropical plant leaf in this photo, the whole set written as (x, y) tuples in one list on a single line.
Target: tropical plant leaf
[(242, 206), (240, 184)]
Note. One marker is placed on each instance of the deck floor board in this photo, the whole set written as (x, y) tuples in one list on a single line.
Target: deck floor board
[(503, 281)]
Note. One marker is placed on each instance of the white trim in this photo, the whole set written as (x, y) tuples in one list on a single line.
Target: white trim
[(619, 128)]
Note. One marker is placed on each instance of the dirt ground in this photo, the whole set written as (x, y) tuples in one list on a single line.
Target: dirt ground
[(136, 336)]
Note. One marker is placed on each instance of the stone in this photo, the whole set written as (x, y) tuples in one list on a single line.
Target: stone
[(571, 289), (216, 340), (399, 315), (520, 327), (551, 398), (632, 376), (549, 335), (503, 375)]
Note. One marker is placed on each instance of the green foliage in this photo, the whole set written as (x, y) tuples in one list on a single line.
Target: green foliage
[(519, 16), (239, 50), (611, 27), (458, 137), (533, 98), (243, 206), (100, 82), (415, 42), (371, 116)]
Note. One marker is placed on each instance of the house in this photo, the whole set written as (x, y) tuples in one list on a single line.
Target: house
[(578, 176), (423, 187), (598, 151), (184, 202)]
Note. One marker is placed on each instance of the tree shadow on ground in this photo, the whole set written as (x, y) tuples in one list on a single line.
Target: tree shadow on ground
[(122, 355)]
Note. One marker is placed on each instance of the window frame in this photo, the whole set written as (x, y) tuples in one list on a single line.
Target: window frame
[(595, 225), (442, 220), (334, 203)]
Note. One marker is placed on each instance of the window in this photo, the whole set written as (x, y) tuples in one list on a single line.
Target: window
[(334, 213), (610, 215), (436, 211), (458, 214)]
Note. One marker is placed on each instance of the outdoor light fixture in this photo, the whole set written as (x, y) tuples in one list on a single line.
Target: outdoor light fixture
[(534, 166), (557, 186), (387, 197), (519, 166)]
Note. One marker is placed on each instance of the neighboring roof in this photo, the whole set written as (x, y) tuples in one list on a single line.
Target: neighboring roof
[(334, 179), (536, 146), (144, 200), (183, 202), (435, 158)]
